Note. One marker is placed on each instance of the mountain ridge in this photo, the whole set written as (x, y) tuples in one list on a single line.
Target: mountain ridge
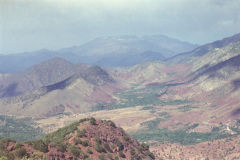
[(85, 139), (96, 51)]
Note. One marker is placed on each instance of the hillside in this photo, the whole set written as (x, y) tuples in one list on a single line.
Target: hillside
[(35, 77), (85, 139), (55, 87), (205, 49), (227, 148)]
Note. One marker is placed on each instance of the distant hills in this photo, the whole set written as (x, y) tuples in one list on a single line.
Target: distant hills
[(115, 51), (58, 86), (204, 49)]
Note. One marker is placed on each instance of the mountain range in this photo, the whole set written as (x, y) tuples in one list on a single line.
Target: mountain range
[(191, 98), (117, 51)]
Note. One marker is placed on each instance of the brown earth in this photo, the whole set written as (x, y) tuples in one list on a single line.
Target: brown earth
[(84, 139), (227, 149)]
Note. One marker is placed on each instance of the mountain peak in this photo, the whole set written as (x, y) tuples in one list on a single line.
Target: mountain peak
[(86, 138)]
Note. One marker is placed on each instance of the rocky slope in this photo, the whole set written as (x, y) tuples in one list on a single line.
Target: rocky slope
[(205, 49), (85, 139), (227, 149)]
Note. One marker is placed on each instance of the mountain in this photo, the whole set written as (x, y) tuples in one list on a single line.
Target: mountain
[(130, 59), (127, 50), (206, 49), (105, 51), (212, 82), (43, 74), (13, 63), (84, 139), (48, 73), (54, 87)]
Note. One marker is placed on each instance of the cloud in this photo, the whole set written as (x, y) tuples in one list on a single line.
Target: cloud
[(34, 24)]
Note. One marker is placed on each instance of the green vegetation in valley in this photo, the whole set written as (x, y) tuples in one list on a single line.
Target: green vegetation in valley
[(160, 135), (186, 108), (147, 96), (18, 129)]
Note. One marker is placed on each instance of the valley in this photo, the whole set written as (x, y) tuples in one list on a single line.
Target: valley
[(182, 107)]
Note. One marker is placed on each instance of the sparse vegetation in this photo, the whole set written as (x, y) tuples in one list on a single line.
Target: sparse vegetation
[(67, 141), (61, 147), (119, 144), (121, 154), (102, 157), (85, 143), (21, 152), (60, 135), (93, 121), (19, 129), (99, 148), (107, 147), (40, 145), (126, 138), (89, 151), (81, 133), (147, 96), (75, 150), (178, 136)]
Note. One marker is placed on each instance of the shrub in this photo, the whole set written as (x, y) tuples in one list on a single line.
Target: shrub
[(119, 144), (85, 143), (98, 147), (143, 147), (89, 151), (121, 154), (98, 140), (132, 152), (126, 138), (18, 145), (77, 141), (93, 121), (101, 157), (81, 133), (21, 152), (3, 158), (83, 155), (150, 154), (40, 145), (111, 123), (61, 147), (107, 147), (109, 155), (75, 150)]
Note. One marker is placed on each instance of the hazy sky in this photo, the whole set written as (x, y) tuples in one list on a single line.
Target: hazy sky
[(27, 25)]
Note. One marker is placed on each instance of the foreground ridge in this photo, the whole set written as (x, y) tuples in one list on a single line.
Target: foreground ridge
[(87, 139)]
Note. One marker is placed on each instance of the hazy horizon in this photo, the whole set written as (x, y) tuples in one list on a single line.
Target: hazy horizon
[(32, 25)]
